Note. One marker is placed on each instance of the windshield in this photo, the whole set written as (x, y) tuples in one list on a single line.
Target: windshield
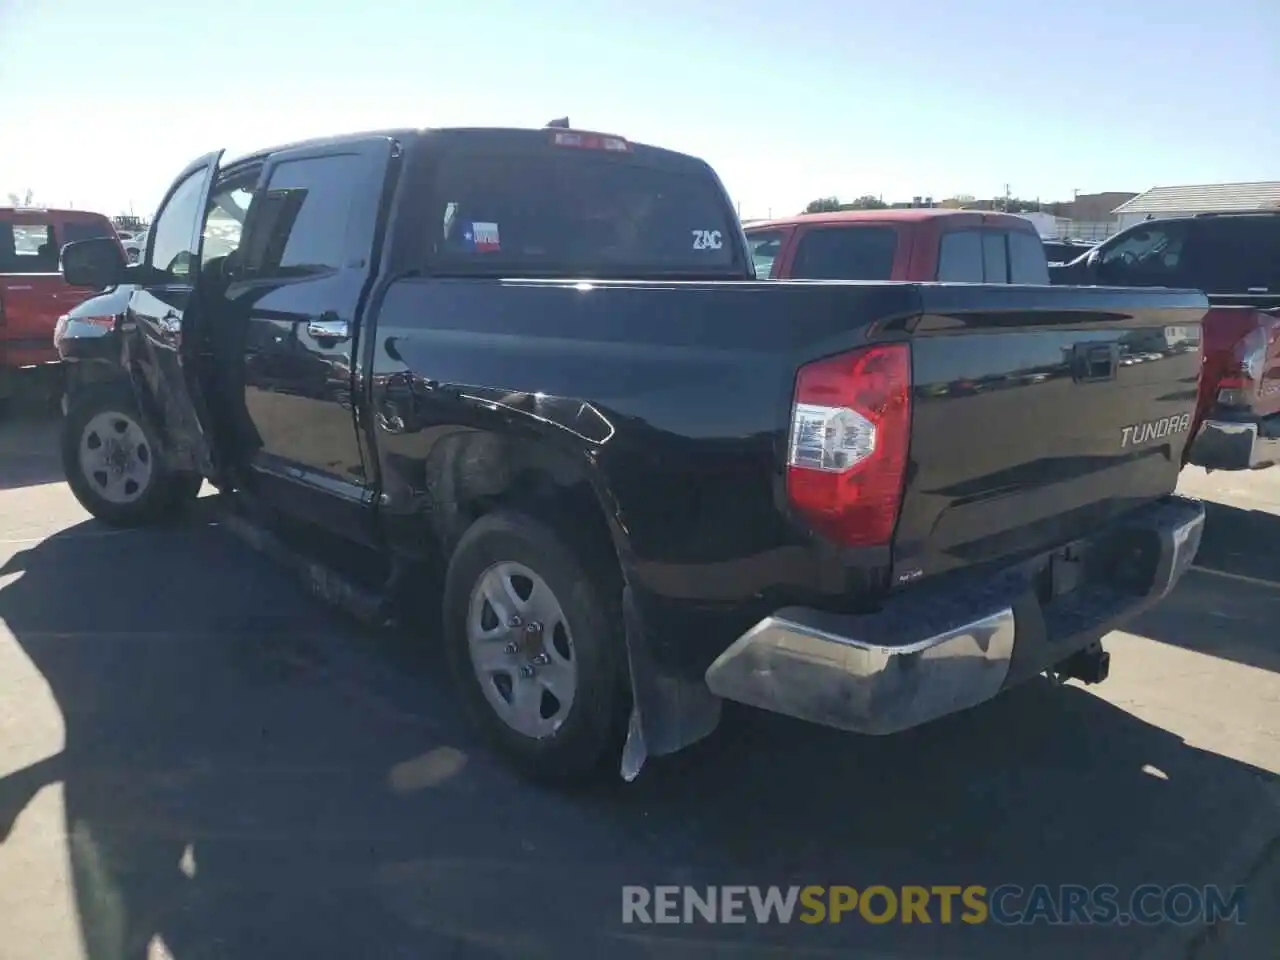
[(580, 213), (765, 247)]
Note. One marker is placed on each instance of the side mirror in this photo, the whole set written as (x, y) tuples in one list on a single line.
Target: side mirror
[(97, 263)]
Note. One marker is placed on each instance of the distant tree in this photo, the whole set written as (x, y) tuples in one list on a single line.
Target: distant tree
[(1016, 205), (823, 205), (25, 199), (866, 202)]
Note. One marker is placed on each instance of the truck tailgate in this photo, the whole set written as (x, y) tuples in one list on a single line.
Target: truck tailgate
[(1036, 419)]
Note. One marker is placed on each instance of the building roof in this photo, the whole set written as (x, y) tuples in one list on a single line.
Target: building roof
[(1206, 198), (1097, 206)]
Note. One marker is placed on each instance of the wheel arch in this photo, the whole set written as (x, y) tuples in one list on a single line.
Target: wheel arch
[(474, 472)]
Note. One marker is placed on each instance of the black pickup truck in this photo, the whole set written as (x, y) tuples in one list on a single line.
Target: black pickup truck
[(1235, 259), (536, 366)]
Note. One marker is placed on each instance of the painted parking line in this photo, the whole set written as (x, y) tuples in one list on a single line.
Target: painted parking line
[(1237, 577)]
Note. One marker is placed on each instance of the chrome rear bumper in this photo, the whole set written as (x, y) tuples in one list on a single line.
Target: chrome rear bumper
[(1233, 445), (929, 654)]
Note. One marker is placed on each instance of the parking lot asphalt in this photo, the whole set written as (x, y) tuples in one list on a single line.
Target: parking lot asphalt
[(199, 761)]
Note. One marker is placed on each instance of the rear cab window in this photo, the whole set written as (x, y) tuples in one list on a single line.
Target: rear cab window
[(1027, 260), (990, 255), (960, 257), (995, 257), (845, 253), (519, 207)]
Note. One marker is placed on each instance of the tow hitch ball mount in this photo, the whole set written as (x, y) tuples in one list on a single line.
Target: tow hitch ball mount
[(1090, 665)]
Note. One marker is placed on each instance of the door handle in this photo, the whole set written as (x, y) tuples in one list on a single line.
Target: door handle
[(327, 326), (1095, 362)]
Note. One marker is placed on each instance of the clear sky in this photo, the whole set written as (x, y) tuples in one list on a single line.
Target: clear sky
[(103, 101)]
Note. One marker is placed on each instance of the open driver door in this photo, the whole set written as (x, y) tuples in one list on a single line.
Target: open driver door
[(163, 346)]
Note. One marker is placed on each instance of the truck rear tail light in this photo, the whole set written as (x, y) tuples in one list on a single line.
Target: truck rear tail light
[(847, 456), (1243, 377), (590, 141)]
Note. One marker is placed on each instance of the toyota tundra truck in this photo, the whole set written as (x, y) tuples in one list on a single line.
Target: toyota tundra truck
[(536, 369)]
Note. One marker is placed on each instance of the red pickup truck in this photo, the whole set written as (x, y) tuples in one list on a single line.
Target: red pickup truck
[(960, 246), (32, 292), (1235, 259)]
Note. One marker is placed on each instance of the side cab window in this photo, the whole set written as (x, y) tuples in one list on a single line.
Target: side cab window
[(225, 219), (301, 217), (1235, 254), (28, 247), (1144, 256)]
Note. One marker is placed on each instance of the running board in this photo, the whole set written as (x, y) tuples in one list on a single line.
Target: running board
[(371, 608)]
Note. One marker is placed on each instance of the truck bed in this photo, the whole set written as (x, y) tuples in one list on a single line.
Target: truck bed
[(682, 394)]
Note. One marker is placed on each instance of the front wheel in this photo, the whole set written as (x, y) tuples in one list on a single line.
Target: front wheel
[(113, 464), (535, 644)]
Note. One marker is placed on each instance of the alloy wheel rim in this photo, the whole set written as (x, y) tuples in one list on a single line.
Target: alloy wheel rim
[(522, 649), (115, 458)]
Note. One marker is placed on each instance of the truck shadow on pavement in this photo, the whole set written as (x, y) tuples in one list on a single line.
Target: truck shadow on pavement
[(247, 775), (29, 449)]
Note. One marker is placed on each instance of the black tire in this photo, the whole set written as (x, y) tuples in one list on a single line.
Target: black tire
[(164, 493), (591, 735)]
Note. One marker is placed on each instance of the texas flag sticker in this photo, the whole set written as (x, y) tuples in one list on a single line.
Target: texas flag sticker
[(484, 237)]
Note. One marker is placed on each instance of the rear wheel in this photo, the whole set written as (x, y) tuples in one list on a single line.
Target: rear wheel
[(113, 464), (535, 645)]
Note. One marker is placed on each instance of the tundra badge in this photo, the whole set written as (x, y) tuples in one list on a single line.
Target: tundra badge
[(1141, 433)]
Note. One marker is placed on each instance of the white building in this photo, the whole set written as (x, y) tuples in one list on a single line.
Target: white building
[(1187, 201), (1047, 225)]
